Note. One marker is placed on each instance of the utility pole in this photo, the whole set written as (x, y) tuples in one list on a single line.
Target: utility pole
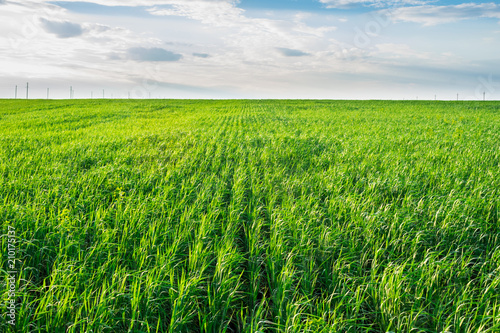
[(70, 92), (457, 97), (16, 93), (103, 93), (484, 96), (27, 89)]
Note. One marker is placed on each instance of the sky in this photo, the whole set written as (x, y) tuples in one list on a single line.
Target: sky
[(256, 49)]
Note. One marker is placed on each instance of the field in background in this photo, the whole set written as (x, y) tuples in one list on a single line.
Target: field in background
[(246, 216)]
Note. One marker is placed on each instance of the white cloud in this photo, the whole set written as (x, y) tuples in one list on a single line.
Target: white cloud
[(433, 15), (248, 43), (215, 13), (372, 3), (137, 3)]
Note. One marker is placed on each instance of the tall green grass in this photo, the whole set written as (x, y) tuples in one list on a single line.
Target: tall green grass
[(252, 216)]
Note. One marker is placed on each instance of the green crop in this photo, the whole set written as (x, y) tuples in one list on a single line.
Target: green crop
[(252, 216)]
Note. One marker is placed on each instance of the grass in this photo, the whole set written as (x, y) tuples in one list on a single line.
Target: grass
[(252, 216)]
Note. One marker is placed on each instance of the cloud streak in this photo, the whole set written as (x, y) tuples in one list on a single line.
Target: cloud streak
[(291, 52), (62, 29), (371, 3), (152, 54), (434, 15), (201, 55)]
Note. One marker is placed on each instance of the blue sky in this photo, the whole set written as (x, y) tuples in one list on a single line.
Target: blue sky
[(338, 49)]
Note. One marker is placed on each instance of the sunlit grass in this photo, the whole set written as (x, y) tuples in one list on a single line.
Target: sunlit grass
[(246, 216)]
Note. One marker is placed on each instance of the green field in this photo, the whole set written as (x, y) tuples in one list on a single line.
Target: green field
[(251, 216)]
